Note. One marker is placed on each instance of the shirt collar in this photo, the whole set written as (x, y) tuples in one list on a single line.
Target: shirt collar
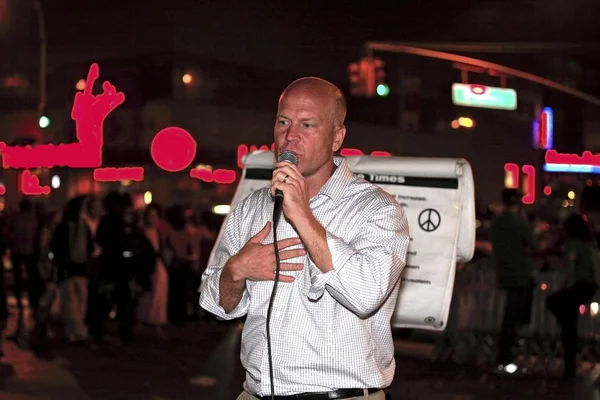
[(337, 183)]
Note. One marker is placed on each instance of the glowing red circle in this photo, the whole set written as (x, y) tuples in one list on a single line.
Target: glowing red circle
[(547, 190), (478, 89), (173, 149)]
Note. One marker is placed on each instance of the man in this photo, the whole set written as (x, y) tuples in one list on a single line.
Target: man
[(513, 242), (343, 244)]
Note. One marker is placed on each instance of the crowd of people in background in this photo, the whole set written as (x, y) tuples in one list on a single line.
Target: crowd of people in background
[(99, 259), (515, 241)]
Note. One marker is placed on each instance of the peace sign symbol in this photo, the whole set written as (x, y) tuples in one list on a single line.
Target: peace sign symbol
[(429, 220)]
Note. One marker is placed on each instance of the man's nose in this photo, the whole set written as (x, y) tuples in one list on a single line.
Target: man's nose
[(292, 133)]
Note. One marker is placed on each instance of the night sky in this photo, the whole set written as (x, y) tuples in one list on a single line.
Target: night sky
[(302, 37)]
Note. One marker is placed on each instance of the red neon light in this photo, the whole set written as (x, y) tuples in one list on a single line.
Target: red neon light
[(119, 174), (380, 154), (2, 189), (29, 185), (587, 158), (173, 149), (244, 149), (351, 152), (547, 190), (89, 113), (512, 170), (543, 132), (529, 197), (222, 176), (202, 174)]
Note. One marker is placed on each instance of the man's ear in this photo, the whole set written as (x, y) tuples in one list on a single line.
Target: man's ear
[(339, 133)]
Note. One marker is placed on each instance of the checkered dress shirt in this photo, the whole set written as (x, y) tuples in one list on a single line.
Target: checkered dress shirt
[(328, 330)]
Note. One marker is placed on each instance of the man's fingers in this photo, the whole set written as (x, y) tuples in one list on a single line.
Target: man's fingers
[(285, 278), (291, 267), (285, 243), (287, 254)]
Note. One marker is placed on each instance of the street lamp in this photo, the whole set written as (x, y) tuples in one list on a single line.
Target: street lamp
[(43, 57)]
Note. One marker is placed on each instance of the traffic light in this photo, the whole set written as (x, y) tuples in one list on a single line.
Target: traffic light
[(382, 87), (367, 78), (44, 121), (355, 80)]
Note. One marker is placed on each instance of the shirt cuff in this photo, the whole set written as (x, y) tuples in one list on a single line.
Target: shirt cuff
[(341, 252), (211, 297)]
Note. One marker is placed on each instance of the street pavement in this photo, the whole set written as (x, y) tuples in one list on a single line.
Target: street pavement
[(201, 361)]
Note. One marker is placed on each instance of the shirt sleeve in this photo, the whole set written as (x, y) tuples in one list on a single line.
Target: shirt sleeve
[(365, 269), (227, 246)]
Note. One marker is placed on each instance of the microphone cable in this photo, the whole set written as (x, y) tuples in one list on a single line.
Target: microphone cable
[(290, 157), (276, 215)]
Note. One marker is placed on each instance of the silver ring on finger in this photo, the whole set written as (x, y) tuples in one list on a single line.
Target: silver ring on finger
[(285, 179)]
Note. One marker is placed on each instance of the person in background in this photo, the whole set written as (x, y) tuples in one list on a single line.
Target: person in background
[(3, 295), (206, 239), (186, 249), (580, 259), (72, 246), (153, 305), (121, 275), (93, 212), (513, 242), (23, 232), (48, 271)]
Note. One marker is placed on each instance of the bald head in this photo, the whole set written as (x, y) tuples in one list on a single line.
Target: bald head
[(323, 89)]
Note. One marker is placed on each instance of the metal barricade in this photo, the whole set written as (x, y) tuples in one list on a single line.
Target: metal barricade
[(477, 312)]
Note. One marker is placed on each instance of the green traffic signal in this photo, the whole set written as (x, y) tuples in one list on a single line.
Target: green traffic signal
[(383, 89), (44, 121)]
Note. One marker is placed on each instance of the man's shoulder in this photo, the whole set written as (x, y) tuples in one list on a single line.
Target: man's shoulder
[(365, 192), (256, 196)]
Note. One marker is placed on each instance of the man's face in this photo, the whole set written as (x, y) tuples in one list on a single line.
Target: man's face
[(305, 125)]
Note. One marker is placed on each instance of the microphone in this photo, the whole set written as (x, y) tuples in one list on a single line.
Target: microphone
[(290, 157)]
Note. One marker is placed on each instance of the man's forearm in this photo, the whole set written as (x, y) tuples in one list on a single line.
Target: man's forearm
[(314, 237), (231, 290)]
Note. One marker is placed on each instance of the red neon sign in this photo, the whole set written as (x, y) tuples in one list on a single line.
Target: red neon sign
[(245, 149), (529, 197), (173, 149), (511, 180), (119, 174), (511, 175), (587, 158), (29, 185), (351, 152), (223, 176)]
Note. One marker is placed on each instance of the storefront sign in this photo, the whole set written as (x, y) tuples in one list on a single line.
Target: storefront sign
[(563, 162)]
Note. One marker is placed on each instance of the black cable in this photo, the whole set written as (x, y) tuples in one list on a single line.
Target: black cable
[(276, 215)]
